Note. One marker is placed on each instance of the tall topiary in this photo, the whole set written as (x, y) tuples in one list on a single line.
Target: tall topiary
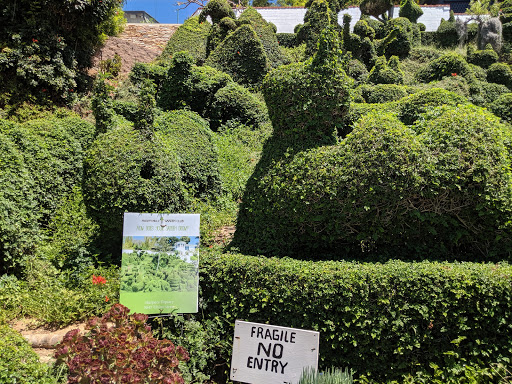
[(446, 33), (216, 10), (399, 38), (242, 56), (317, 18)]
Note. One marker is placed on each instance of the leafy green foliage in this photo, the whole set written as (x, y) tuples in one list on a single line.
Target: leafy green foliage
[(267, 35), (190, 137), (381, 93), (446, 34), (500, 73), (236, 103), (217, 10), (399, 38), (242, 55), (330, 376), (18, 205), (124, 172), (18, 362), (44, 43), (414, 105), (502, 107), (124, 351), (386, 72), (101, 104), (111, 67), (190, 86), (191, 37), (390, 320), (317, 18), (450, 64), (410, 10), (288, 40), (484, 58)]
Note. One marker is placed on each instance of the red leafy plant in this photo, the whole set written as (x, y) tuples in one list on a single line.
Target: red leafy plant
[(120, 348)]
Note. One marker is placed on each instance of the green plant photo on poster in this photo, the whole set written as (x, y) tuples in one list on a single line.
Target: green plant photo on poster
[(160, 263)]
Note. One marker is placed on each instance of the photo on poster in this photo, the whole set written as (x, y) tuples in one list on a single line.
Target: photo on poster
[(160, 263)]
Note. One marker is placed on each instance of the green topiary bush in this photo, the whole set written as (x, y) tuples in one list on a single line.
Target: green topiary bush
[(124, 172), (265, 31), (410, 10), (18, 362), (484, 93), (358, 110), (218, 32), (190, 86), (385, 72), (500, 73), (149, 71), (191, 37), (502, 107), (446, 34), (414, 105), (287, 40), (216, 10), (236, 103), (402, 30), (19, 214), (242, 56), (317, 18), (450, 64), (190, 137), (382, 93), (483, 58)]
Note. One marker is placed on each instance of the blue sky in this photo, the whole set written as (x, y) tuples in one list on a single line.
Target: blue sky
[(164, 11)]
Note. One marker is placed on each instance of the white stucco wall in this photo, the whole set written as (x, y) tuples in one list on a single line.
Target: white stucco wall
[(286, 18)]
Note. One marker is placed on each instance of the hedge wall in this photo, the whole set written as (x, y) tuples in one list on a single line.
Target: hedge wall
[(386, 321)]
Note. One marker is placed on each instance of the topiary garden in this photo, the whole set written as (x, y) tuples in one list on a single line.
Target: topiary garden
[(366, 174)]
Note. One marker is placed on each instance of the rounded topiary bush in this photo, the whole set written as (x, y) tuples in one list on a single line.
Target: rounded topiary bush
[(500, 73), (411, 107), (383, 73), (18, 205), (410, 10), (190, 137), (236, 103), (502, 107), (381, 93), (446, 34), (483, 58), (450, 64), (124, 172), (403, 42)]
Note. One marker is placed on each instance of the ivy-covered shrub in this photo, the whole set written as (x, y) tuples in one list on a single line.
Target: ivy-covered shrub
[(446, 34), (265, 31), (455, 84), (148, 71), (483, 58), (120, 348), (191, 37), (450, 64), (360, 109), (236, 103), (18, 204), (216, 10), (390, 320), (362, 29), (190, 137), (484, 93), (190, 86), (317, 18), (287, 40), (411, 107), (18, 362), (46, 43), (124, 172), (502, 107), (500, 73), (381, 93), (54, 158), (410, 10), (218, 32), (402, 30), (386, 72), (357, 71), (312, 119), (241, 55)]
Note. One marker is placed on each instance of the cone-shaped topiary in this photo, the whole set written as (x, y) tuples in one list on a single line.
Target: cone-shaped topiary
[(242, 56), (410, 10)]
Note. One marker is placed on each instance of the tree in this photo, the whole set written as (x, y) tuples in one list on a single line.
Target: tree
[(376, 8)]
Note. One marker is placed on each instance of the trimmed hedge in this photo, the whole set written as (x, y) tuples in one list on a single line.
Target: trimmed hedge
[(288, 40), (500, 73), (483, 58), (19, 364), (190, 37), (382, 93), (18, 204), (449, 64), (502, 107), (386, 321), (241, 55), (190, 137), (317, 18)]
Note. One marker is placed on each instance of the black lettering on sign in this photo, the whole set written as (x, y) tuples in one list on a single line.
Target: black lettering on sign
[(276, 349)]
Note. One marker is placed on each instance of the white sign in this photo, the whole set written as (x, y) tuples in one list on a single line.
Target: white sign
[(268, 354)]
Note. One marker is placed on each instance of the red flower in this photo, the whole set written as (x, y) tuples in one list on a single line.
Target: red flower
[(106, 299), (238, 52), (44, 89), (454, 74), (34, 40), (98, 280)]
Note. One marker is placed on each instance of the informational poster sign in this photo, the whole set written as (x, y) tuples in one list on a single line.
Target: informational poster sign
[(268, 354), (160, 264)]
